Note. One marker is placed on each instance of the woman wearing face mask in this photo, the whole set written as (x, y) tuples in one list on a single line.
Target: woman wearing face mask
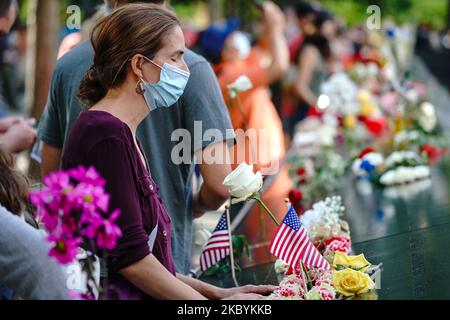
[(138, 66)]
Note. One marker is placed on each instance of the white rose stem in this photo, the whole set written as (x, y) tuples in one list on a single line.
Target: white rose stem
[(304, 278), (233, 271)]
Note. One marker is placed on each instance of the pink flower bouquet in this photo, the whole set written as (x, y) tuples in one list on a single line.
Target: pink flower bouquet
[(74, 208)]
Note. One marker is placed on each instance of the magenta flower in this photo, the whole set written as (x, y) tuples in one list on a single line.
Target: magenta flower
[(90, 223), (109, 232), (90, 197), (75, 295), (89, 176), (49, 220), (64, 249), (58, 181), (72, 206)]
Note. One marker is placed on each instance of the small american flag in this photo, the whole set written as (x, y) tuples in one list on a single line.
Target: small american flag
[(218, 245), (291, 244)]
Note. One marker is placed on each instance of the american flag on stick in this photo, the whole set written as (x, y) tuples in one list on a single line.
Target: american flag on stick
[(292, 245), (218, 245)]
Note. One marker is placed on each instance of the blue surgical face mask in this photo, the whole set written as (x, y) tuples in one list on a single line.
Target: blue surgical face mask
[(168, 90)]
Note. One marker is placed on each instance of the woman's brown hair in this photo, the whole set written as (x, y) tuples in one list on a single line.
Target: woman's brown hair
[(13, 186), (129, 30)]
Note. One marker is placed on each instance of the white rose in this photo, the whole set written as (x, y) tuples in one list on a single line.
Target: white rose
[(326, 135), (406, 136), (399, 156), (412, 96), (309, 218), (243, 83), (427, 117), (302, 139), (393, 158), (243, 182), (414, 135), (330, 120), (374, 158), (388, 178), (407, 191), (421, 172), (404, 174)]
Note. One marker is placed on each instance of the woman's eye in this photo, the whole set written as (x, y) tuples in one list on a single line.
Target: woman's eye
[(174, 60)]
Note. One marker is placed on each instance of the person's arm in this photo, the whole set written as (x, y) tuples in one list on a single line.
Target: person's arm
[(19, 136), (203, 102), (279, 49), (212, 193), (153, 278), (51, 159), (132, 256), (216, 293), (307, 63), (25, 265)]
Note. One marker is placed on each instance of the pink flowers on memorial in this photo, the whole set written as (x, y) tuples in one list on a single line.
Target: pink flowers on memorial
[(340, 244), (65, 249), (74, 208)]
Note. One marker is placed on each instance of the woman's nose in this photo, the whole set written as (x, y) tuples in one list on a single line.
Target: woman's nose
[(183, 66)]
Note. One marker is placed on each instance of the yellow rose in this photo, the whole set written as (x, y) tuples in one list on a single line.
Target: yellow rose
[(363, 97), (349, 122), (367, 109), (349, 282), (369, 295), (355, 262)]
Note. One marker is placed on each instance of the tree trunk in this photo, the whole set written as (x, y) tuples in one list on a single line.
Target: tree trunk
[(42, 42), (42, 26), (215, 10)]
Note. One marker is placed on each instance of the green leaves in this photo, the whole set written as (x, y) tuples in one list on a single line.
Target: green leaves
[(223, 267)]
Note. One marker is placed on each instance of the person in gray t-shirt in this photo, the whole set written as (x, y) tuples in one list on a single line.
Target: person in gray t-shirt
[(202, 101), (25, 266)]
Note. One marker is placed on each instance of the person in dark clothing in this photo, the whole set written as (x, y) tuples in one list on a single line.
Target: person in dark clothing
[(138, 67)]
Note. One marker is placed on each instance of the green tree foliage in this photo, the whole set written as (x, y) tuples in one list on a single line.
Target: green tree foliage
[(433, 12)]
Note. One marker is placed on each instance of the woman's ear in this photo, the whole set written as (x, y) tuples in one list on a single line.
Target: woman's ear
[(136, 65)]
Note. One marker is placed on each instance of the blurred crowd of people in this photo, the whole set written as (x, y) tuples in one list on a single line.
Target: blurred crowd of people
[(287, 54)]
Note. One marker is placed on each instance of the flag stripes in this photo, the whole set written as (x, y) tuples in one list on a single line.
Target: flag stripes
[(218, 245), (292, 245)]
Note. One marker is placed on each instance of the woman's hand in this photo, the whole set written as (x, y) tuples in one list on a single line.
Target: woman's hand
[(153, 278), (274, 17), (6, 123), (19, 135), (249, 292), (245, 292), (275, 22), (245, 296)]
